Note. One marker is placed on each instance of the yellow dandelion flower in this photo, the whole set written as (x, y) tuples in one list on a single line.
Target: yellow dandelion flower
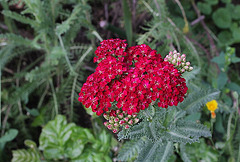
[(212, 106)]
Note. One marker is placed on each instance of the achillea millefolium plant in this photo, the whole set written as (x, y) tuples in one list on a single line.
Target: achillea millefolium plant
[(131, 87)]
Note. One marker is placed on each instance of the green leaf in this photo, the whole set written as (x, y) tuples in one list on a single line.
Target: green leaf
[(130, 150), (25, 156), (156, 151), (197, 99), (30, 144), (19, 18), (236, 12), (205, 8), (222, 18), (222, 80), (191, 75), (193, 117), (59, 139), (234, 87), (226, 1), (183, 153), (211, 2), (225, 37), (9, 136), (33, 112), (127, 21)]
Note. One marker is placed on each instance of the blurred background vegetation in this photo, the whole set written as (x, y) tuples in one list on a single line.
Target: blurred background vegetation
[(46, 53)]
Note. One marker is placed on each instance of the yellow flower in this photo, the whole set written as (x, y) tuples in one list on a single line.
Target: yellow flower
[(212, 106)]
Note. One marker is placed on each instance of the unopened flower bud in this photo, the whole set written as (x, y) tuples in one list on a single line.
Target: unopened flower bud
[(115, 125), (183, 56), (129, 116), (120, 115), (183, 64), (174, 52), (116, 119), (187, 63), (185, 67), (126, 119), (115, 130), (121, 122), (117, 111), (126, 126), (105, 123), (178, 54), (136, 120), (173, 61), (184, 60), (179, 59), (165, 59), (182, 70), (134, 115), (175, 56), (111, 121), (130, 122), (105, 116), (109, 126), (190, 68), (170, 53)]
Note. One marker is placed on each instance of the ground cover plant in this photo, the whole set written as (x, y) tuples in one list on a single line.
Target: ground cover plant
[(119, 80)]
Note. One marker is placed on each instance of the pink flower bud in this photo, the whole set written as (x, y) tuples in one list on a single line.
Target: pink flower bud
[(109, 126), (182, 70), (136, 120), (117, 111), (183, 56), (115, 125), (187, 63), (184, 59), (190, 68), (134, 115), (175, 56), (129, 116), (173, 61), (170, 53), (183, 64), (179, 59), (185, 67), (126, 126), (105, 116), (130, 122), (174, 52), (115, 130), (120, 115), (126, 119), (165, 59), (116, 119), (105, 123), (121, 122), (111, 121)]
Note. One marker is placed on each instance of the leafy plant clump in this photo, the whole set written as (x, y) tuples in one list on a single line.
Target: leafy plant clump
[(67, 142)]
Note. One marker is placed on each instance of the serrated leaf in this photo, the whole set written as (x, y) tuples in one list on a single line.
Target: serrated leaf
[(25, 156), (156, 151), (196, 100), (130, 150)]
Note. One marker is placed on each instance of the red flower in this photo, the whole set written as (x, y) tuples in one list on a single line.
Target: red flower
[(131, 79)]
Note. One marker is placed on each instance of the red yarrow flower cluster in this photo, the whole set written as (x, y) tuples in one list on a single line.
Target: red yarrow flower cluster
[(132, 79)]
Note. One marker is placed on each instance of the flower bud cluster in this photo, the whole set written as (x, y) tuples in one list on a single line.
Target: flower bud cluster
[(179, 61), (119, 118)]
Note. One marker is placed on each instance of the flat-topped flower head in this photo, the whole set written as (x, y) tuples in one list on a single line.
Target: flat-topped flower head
[(133, 78)]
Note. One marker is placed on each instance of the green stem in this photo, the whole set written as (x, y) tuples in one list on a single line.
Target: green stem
[(54, 96), (72, 97), (65, 52)]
